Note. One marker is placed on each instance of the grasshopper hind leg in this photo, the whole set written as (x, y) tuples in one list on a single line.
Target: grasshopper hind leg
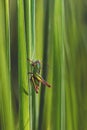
[(32, 79), (36, 87)]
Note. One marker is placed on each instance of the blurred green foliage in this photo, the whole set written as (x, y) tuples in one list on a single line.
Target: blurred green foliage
[(55, 33)]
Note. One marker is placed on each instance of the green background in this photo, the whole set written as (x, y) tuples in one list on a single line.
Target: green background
[(54, 32)]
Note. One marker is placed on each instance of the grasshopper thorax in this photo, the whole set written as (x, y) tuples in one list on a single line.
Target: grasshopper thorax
[(37, 66)]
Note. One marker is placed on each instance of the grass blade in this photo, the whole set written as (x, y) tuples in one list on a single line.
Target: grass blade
[(30, 38), (22, 66), (5, 89), (44, 69)]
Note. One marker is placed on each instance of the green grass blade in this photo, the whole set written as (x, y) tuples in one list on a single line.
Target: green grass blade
[(28, 29), (5, 89), (30, 38), (45, 97), (45, 59), (7, 27), (58, 99), (71, 44), (22, 66), (62, 66)]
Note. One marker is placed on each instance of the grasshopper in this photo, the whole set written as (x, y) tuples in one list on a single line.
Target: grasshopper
[(36, 78)]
